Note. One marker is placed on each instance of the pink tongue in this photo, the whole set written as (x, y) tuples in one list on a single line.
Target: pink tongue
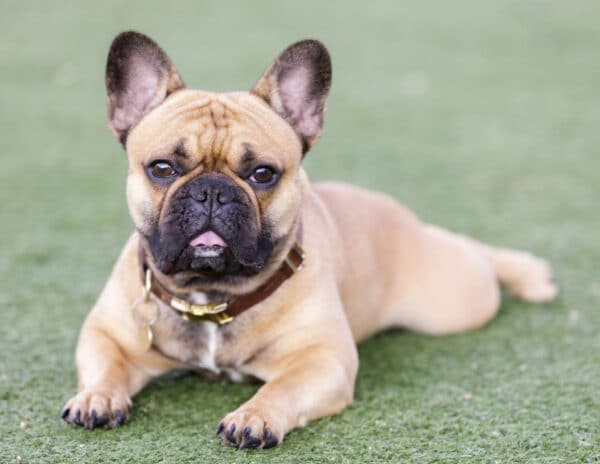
[(208, 239)]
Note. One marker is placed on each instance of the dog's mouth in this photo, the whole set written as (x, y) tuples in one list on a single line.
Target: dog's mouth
[(209, 230), (208, 244)]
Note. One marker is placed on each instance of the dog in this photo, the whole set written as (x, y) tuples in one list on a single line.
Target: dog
[(242, 269)]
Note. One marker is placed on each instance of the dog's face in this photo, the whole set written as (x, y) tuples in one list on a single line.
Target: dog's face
[(214, 184)]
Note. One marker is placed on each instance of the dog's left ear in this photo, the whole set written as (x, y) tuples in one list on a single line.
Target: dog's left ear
[(296, 87), (139, 76)]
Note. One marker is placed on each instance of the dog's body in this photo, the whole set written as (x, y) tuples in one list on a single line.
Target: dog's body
[(370, 263)]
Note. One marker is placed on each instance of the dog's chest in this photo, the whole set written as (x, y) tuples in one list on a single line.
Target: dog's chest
[(196, 344)]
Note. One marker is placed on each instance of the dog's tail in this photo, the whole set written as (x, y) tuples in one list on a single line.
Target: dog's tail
[(524, 275)]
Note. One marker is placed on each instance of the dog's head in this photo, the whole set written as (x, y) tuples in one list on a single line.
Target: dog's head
[(215, 180)]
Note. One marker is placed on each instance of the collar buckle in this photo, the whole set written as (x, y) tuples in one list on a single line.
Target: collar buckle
[(215, 312), (197, 309)]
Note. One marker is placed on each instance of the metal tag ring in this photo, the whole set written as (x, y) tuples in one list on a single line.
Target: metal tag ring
[(145, 311)]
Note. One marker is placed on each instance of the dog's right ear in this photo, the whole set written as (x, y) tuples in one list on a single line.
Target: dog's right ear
[(139, 76)]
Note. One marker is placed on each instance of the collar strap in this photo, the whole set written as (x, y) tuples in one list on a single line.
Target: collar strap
[(222, 312)]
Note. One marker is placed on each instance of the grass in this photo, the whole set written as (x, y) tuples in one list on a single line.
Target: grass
[(481, 116)]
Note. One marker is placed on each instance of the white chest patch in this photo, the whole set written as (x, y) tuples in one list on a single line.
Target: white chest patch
[(210, 358), (194, 343)]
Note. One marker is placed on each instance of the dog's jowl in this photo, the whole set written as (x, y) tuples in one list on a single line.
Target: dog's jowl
[(240, 268)]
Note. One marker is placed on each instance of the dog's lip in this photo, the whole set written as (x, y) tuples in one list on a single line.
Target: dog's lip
[(207, 239)]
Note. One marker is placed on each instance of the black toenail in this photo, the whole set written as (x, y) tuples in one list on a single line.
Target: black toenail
[(93, 417), (229, 434), (252, 442), (101, 420), (120, 417), (270, 440)]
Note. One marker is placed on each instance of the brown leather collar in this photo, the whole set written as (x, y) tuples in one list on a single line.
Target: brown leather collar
[(225, 311)]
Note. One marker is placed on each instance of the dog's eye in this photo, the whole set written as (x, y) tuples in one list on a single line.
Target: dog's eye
[(263, 175), (162, 169)]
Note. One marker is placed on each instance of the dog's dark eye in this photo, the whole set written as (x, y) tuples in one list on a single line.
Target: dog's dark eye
[(162, 169), (263, 175)]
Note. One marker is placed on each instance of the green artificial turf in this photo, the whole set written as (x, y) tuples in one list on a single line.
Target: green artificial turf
[(482, 116)]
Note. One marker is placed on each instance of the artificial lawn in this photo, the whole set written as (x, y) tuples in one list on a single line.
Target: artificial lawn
[(481, 116)]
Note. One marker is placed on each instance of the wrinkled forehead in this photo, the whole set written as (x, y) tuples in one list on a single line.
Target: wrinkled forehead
[(203, 123)]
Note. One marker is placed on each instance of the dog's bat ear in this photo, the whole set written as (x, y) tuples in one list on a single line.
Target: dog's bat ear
[(296, 87), (139, 76)]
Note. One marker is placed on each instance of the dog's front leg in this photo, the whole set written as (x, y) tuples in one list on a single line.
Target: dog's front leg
[(309, 384), (109, 373), (103, 381)]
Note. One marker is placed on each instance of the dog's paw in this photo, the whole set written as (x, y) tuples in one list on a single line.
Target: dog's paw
[(97, 407), (249, 427)]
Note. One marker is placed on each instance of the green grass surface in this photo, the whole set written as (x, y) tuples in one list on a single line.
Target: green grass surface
[(481, 116)]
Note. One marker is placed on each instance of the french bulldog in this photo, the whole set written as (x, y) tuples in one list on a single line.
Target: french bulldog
[(239, 267)]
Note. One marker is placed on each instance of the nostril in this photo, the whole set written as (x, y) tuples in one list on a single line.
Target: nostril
[(211, 192), (202, 197), (223, 198)]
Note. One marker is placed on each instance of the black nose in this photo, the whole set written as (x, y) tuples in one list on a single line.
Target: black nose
[(208, 194), (212, 190)]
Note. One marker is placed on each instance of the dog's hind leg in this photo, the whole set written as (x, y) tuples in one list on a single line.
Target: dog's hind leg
[(451, 284)]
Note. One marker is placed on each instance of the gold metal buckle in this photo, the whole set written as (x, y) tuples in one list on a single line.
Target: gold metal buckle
[(222, 318), (215, 312), (293, 266), (212, 311), (197, 309)]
